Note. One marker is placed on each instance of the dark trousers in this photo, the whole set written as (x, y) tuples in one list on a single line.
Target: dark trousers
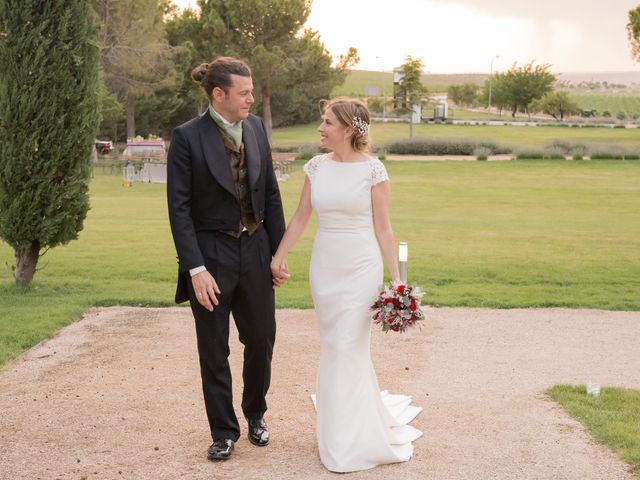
[(241, 268)]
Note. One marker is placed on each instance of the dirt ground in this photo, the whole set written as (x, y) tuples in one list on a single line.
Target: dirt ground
[(116, 395)]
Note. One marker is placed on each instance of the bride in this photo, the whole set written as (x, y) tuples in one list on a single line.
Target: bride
[(357, 426)]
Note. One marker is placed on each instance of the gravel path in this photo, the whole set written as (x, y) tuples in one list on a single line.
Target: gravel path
[(117, 395)]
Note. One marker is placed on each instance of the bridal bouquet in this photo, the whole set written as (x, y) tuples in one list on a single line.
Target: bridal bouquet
[(397, 307)]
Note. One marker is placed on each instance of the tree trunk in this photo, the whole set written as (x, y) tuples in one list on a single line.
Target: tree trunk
[(266, 111), (131, 115), (26, 261)]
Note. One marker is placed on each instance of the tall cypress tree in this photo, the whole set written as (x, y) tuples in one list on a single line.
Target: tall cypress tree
[(49, 61)]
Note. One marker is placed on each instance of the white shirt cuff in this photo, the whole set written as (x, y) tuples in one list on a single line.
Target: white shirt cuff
[(195, 271)]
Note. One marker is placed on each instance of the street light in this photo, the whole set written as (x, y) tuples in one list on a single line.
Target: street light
[(403, 255), (384, 100), (490, 77)]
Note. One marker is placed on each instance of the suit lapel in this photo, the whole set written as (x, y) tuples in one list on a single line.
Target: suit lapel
[(214, 153), (251, 152)]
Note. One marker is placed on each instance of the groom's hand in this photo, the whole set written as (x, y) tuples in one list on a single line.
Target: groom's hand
[(206, 289)]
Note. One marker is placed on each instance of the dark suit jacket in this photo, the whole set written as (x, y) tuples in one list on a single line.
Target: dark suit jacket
[(201, 193)]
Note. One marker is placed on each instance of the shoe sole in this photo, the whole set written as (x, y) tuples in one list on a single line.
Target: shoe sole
[(257, 444), (218, 459)]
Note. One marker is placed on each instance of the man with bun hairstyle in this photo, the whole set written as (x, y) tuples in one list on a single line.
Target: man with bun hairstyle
[(227, 221)]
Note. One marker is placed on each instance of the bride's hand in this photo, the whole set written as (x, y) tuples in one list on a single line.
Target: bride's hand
[(279, 271)]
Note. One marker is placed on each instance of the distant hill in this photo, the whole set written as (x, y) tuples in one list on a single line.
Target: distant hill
[(358, 80)]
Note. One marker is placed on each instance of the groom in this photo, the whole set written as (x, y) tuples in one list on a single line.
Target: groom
[(227, 221)]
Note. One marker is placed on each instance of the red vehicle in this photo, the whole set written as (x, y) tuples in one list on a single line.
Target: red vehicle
[(104, 146)]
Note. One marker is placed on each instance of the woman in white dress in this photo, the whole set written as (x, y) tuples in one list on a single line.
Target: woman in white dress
[(357, 426)]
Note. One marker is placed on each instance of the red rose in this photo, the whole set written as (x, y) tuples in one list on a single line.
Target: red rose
[(400, 289), (413, 304), (390, 300)]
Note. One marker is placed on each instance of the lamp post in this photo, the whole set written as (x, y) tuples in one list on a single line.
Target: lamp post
[(490, 77), (384, 99), (403, 254)]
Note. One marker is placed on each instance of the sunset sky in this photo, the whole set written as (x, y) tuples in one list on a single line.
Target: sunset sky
[(455, 36)]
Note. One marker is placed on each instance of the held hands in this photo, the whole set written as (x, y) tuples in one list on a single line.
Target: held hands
[(279, 271), (206, 289)]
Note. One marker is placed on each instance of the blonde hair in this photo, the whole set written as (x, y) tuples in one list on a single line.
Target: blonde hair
[(352, 113)]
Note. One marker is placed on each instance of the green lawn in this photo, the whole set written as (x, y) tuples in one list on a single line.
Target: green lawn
[(612, 102), (613, 418), (537, 137), (495, 234)]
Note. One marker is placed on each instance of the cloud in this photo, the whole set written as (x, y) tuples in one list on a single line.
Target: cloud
[(571, 34), (551, 9)]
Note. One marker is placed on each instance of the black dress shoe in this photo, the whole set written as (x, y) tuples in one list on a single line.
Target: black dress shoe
[(258, 432), (220, 449)]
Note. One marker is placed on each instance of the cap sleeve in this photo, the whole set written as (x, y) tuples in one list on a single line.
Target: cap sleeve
[(311, 167), (378, 172)]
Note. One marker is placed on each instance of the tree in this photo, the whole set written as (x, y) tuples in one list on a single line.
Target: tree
[(257, 31), (49, 56), (411, 85), (112, 112), (498, 92), (136, 58), (291, 69), (633, 32), (309, 78), (185, 32), (524, 84), (463, 93), (556, 104)]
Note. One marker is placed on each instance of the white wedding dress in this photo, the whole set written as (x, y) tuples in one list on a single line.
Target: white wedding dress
[(358, 427)]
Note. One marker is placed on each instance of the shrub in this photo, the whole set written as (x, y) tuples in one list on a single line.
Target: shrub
[(285, 149), (554, 151), (530, 155), (563, 148), (375, 104), (482, 153), (578, 150), (304, 156), (442, 146), (537, 155), (606, 156)]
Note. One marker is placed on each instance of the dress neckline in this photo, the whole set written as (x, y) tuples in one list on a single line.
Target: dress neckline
[(369, 159)]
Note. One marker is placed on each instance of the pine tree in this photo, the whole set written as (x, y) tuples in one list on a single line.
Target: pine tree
[(136, 58), (49, 59)]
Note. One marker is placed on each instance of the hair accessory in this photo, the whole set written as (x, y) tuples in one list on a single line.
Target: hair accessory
[(360, 125)]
